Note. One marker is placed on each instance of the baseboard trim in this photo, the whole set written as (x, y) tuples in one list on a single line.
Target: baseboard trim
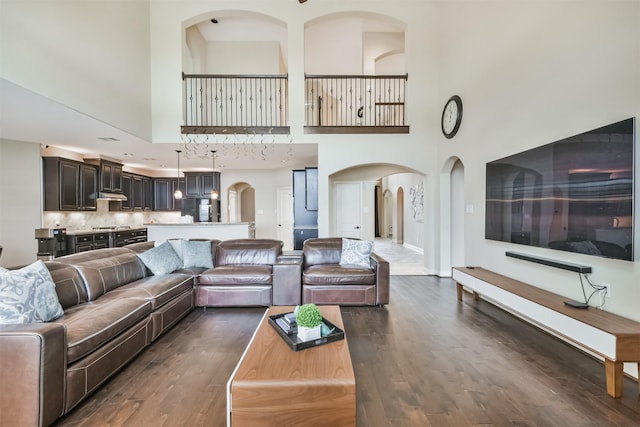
[(413, 248)]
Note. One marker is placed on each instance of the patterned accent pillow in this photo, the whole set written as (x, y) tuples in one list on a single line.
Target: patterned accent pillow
[(161, 259), (175, 243), (356, 252), (196, 253), (28, 295)]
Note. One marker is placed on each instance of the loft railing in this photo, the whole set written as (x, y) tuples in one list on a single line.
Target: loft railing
[(225, 103), (338, 101), (217, 103)]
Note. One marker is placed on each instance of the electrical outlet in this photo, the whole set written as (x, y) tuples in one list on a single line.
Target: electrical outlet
[(607, 289)]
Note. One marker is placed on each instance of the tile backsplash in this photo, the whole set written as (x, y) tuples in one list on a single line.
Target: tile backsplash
[(103, 217)]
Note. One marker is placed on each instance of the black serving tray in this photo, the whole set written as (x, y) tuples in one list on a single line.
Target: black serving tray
[(296, 343)]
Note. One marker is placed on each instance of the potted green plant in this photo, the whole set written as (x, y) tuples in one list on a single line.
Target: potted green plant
[(309, 320)]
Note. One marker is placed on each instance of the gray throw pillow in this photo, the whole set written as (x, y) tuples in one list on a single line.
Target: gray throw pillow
[(356, 252), (196, 253), (161, 259), (175, 243), (28, 295)]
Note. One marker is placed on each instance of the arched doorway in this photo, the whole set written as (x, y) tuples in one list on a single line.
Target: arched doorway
[(398, 235), (452, 211), (241, 203)]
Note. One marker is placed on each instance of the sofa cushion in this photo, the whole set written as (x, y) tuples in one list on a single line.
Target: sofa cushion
[(324, 250), (356, 252), (161, 259), (157, 289), (103, 270), (238, 275), (335, 274), (248, 251), (28, 295), (196, 254), (91, 325), (70, 287)]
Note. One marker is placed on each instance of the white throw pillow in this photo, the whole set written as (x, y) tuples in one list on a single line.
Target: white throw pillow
[(356, 252), (28, 295)]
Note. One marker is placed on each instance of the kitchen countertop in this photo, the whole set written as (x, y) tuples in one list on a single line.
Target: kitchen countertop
[(108, 230), (198, 223)]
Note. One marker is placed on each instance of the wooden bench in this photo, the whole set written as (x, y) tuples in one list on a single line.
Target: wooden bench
[(615, 338)]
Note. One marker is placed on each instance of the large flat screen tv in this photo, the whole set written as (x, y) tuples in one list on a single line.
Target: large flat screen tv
[(574, 195)]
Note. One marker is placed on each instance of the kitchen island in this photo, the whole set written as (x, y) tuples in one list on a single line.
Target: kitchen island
[(200, 230)]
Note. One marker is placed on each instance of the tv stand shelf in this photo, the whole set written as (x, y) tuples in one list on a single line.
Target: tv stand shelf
[(613, 337)]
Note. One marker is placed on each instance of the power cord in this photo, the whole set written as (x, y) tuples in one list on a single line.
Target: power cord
[(598, 289)]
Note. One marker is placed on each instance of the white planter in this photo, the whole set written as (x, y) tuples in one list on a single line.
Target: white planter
[(308, 334)]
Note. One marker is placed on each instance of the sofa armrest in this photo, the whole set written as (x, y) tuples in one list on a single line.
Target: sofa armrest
[(33, 372), (381, 268), (287, 280)]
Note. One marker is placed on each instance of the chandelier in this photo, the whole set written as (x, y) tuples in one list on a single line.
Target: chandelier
[(249, 146)]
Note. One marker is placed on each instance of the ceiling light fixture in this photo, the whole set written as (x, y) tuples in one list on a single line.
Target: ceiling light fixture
[(178, 193)]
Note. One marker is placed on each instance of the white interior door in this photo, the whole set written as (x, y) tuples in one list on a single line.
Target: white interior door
[(388, 215), (285, 217), (348, 209), (232, 207)]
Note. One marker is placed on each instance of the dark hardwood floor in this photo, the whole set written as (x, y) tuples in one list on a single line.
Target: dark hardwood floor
[(423, 360)]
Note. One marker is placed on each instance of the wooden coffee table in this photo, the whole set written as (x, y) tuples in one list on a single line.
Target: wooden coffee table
[(276, 386)]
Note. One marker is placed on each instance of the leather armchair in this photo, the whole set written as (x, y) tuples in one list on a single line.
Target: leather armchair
[(325, 281), (242, 274)]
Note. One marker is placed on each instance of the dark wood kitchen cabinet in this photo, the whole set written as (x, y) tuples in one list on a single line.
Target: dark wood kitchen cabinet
[(138, 190), (147, 194), (163, 194), (200, 184), (110, 177), (136, 183), (87, 242), (69, 185), (88, 187), (127, 191)]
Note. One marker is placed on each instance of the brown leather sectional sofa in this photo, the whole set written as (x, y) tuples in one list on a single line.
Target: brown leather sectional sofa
[(114, 308)]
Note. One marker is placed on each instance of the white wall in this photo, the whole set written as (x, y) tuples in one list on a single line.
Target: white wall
[(265, 183), (334, 47), (564, 68), (376, 46), (20, 201), (95, 55), (229, 57)]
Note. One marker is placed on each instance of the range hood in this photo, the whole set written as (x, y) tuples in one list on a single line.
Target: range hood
[(112, 197)]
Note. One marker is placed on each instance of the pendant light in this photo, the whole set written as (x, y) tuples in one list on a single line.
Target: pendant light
[(178, 193), (214, 193)]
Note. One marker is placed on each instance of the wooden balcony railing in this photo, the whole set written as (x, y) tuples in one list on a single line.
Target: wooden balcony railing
[(241, 104)]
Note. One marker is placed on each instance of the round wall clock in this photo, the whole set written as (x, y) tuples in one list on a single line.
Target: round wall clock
[(451, 116)]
